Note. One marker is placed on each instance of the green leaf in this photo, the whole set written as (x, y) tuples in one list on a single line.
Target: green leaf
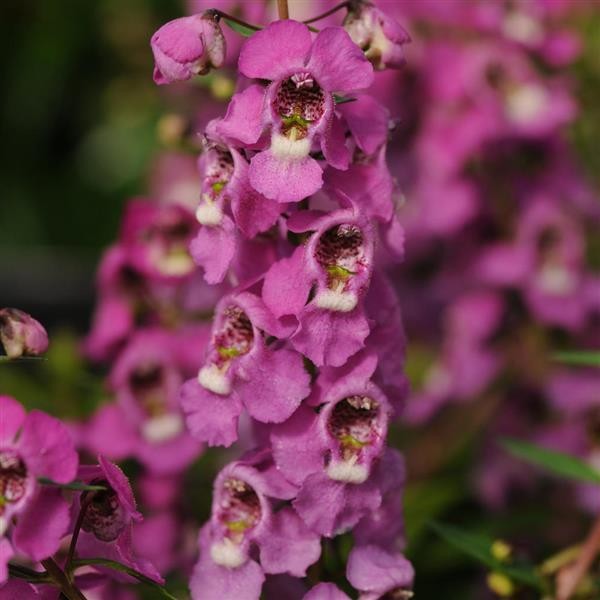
[(117, 566), (343, 99), (479, 547), (8, 359), (238, 28), (78, 486), (558, 463), (581, 359)]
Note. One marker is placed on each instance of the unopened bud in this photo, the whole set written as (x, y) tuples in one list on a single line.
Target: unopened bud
[(21, 334), (500, 584), (380, 36), (501, 550), (187, 46)]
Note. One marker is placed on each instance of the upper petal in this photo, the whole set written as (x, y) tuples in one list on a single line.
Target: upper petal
[(42, 524), (243, 121), (337, 63), (12, 415), (48, 448), (275, 51)]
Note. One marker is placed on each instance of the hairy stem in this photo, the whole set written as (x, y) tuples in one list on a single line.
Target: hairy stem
[(75, 536), (569, 577), (329, 12), (223, 15), (67, 589), (282, 9)]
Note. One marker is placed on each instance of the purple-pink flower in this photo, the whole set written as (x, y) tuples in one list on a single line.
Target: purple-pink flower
[(187, 46), (34, 517), (243, 518), (296, 112), (21, 334), (243, 367)]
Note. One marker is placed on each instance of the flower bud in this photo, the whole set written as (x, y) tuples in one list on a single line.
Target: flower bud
[(21, 334), (187, 46), (379, 35)]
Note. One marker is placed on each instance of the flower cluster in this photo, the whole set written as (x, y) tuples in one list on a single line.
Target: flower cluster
[(498, 226), (47, 497), (303, 367)]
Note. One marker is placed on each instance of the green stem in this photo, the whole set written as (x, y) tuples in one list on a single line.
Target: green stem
[(77, 486), (21, 572), (69, 590), (223, 15), (117, 566), (329, 12)]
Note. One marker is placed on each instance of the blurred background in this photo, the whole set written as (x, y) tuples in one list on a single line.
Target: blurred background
[(495, 151)]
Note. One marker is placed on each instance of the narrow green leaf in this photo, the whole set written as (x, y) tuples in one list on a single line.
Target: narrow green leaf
[(558, 463), (7, 359), (479, 547), (238, 28), (343, 99), (22, 572), (581, 359), (78, 486), (117, 566)]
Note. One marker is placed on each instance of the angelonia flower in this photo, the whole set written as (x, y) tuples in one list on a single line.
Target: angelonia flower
[(39, 469), (33, 517), (186, 47), (380, 36), (21, 334), (296, 213)]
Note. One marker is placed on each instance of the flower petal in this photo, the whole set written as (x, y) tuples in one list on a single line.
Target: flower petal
[(42, 525), (286, 285), (372, 569), (243, 121), (326, 591), (210, 418), (47, 447), (12, 416), (275, 51), (273, 385), (337, 63), (214, 248), (285, 179), (288, 546), (330, 507), (328, 337)]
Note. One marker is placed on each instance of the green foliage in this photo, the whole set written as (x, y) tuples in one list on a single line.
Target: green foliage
[(238, 28), (580, 359), (480, 548), (558, 463)]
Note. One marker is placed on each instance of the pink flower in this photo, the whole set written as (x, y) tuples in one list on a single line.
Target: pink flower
[(146, 422), (21, 334), (297, 108), (33, 446), (376, 572), (325, 591), (333, 455), (242, 520), (242, 369), (228, 203), (379, 35), (156, 238), (338, 261), (187, 46), (108, 520)]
